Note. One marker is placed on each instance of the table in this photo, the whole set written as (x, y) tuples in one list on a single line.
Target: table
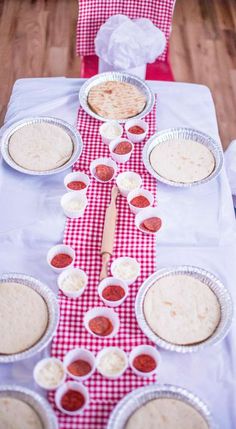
[(199, 228)]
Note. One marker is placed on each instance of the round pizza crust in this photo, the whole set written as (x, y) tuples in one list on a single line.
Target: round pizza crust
[(166, 413), (182, 161), (40, 147), (181, 309), (23, 317), (17, 414), (116, 100)]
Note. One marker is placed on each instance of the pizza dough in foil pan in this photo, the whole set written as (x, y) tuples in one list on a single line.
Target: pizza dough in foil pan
[(53, 315), (34, 400), (118, 77), (180, 134), (135, 399), (222, 294)]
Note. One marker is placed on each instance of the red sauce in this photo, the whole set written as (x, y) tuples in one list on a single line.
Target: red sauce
[(61, 260), (101, 326), (79, 367), (76, 185), (152, 224), (136, 129), (140, 201), (144, 363), (113, 293), (104, 172), (123, 148), (72, 400)]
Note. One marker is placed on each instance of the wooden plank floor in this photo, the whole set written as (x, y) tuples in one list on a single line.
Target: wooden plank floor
[(37, 38)]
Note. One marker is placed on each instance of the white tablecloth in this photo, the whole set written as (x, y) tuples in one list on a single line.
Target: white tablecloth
[(198, 228)]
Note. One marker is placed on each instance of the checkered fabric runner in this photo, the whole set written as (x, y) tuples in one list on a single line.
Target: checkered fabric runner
[(93, 13), (85, 236)]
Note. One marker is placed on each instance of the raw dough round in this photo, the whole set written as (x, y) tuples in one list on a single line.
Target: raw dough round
[(17, 414), (182, 161), (181, 309), (116, 100), (40, 147), (166, 413), (23, 317)]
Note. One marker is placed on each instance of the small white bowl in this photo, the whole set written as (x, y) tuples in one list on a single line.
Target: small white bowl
[(107, 140), (136, 138), (120, 158), (106, 312), (79, 353), (146, 214), (77, 176), (129, 175), (137, 193), (55, 250), (102, 353), (112, 281), (71, 385), (148, 350), (104, 161), (74, 195), (38, 367), (66, 273), (121, 260)]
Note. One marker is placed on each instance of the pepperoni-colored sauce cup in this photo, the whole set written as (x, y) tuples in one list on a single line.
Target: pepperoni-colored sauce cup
[(144, 360), (112, 291), (102, 322), (79, 363)]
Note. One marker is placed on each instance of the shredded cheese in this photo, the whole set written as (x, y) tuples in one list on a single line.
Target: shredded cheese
[(74, 282), (126, 269), (111, 363), (74, 204), (50, 374)]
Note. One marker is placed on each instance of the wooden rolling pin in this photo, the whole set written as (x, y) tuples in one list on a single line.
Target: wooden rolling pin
[(109, 233)]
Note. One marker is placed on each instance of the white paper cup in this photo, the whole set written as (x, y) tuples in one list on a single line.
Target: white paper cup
[(128, 174), (74, 195), (106, 312), (148, 350), (112, 281), (120, 158), (121, 260), (108, 140), (137, 193), (146, 214), (104, 161), (136, 138), (77, 176), (71, 385), (79, 353), (55, 250), (41, 364), (66, 273), (102, 353)]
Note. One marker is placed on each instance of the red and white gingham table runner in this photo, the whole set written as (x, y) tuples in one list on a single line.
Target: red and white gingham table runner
[(93, 13), (85, 236)]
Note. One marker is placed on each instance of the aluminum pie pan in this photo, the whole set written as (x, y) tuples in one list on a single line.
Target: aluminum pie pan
[(189, 134), (120, 77), (135, 399), (37, 402), (53, 314), (69, 129), (222, 294)]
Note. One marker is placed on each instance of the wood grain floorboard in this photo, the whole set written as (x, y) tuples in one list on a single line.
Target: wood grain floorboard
[(37, 38)]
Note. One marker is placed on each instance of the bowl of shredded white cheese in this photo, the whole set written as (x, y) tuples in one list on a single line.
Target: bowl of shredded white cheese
[(74, 204), (112, 362), (126, 269), (72, 282), (128, 181), (49, 373)]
